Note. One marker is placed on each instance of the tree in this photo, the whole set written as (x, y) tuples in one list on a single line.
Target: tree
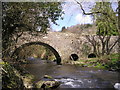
[(27, 16), (94, 43), (103, 42), (105, 18), (106, 23)]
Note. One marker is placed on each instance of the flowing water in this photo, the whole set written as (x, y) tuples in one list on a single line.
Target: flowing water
[(72, 76)]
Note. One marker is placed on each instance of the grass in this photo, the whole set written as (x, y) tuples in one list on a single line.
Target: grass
[(110, 62)]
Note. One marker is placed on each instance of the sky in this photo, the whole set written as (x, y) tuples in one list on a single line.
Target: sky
[(73, 15)]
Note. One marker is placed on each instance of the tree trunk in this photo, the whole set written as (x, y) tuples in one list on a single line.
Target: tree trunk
[(107, 45), (103, 44)]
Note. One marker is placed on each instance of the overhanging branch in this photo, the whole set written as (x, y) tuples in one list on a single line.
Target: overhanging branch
[(90, 13)]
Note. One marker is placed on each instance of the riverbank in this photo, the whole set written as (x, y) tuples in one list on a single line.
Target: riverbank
[(109, 62), (14, 73), (17, 77)]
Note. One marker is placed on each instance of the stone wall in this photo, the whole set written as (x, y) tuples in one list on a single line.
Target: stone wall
[(64, 43)]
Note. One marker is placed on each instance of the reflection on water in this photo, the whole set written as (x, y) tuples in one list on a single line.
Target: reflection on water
[(73, 76)]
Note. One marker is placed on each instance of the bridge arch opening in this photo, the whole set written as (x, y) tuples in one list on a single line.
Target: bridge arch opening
[(91, 55), (56, 54), (74, 57)]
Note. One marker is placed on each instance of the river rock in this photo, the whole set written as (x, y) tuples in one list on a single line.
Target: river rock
[(28, 81), (47, 84), (48, 77), (117, 86)]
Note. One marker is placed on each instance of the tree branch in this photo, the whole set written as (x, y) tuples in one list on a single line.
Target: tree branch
[(90, 13), (114, 44), (18, 35)]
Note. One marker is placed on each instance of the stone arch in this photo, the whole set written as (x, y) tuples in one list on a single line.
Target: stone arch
[(16, 51)]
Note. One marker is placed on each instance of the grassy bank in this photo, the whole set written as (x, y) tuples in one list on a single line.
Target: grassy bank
[(110, 62)]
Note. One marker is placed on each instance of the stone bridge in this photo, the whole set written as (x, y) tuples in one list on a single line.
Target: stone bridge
[(62, 44)]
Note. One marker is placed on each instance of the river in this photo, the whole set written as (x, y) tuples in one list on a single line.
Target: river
[(72, 76)]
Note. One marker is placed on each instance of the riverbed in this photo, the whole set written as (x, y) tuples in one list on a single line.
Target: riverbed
[(72, 76)]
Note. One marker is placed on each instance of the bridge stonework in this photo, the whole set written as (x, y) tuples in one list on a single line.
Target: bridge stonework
[(64, 43)]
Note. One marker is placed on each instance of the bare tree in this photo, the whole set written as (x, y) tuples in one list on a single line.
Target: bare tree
[(103, 42), (108, 46), (93, 42)]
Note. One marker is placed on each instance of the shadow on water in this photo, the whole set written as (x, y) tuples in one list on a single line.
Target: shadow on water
[(72, 76)]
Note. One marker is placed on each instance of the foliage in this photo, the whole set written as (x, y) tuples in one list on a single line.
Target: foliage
[(110, 62), (106, 20), (27, 16), (9, 78), (15, 76), (114, 63)]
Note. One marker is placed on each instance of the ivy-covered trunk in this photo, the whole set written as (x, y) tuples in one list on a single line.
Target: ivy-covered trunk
[(9, 78)]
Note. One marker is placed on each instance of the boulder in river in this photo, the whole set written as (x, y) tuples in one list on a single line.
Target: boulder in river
[(48, 77), (47, 84), (117, 86), (28, 80)]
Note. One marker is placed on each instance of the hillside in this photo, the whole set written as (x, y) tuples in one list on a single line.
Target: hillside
[(81, 29)]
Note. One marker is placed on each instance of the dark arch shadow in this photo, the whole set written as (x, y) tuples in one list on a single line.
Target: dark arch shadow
[(74, 57), (16, 52), (91, 55)]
